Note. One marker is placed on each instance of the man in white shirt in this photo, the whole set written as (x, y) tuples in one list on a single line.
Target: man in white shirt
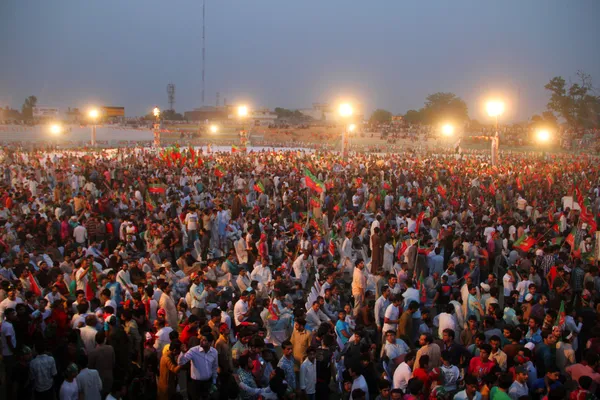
[(519, 386), (10, 301), (243, 280), (314, 317), (359, 285), (381, 306), (446, 320), (88, 333), (8, 337), (404, 372), (392, 315), (308, 374), (358, 382), (262, 273), (240, 310), (394, 348), (203, 371), (162, 336), (197, 294), (299, 267), (80, 234)]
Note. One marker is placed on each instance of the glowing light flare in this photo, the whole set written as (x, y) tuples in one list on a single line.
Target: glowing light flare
[(448, 130), (156, 112), (345, 110), (94, 113), (56, 129), (242, 111), (543, 135), (351, 128), (214, 129), (495, 108)]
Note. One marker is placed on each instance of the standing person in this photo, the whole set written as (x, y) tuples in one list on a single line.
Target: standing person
[(300, 340), (69, 390), (9, 344), (88, 380), (223, 347), (102, 359), (167, 381), (404, 371), (166, 303), (43, 371), (286, 363), (381, 306), (308, 374), (359, 285), (204, 367)]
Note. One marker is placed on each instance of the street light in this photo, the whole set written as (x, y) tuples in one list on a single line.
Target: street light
[(543, 135), (345, 110), (56, 129), (495, 108), (93, 114), (156, 113), (448, 130), (214, 129), (242, 113)]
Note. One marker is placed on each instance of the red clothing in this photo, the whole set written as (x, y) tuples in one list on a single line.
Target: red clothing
[(187, 333), (480, 368), (422, 375)]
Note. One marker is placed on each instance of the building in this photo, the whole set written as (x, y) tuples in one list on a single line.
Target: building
[(207, 113), (325, 112)]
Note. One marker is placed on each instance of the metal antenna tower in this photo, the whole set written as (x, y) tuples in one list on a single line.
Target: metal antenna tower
[(218, 99), (171, 95), (203, 45)]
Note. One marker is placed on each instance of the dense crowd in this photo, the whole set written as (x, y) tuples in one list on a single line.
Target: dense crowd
[(137, 274)]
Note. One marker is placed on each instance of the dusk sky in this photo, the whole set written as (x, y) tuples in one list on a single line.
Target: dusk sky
[(381, 53)]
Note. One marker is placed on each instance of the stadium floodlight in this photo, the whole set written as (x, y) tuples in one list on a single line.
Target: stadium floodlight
[(346, 110), (242, 111), (56, 129), (214, 129), (156, 112), (543, 135), (351, 128), (448, 130), (94, 113), (495, 108)]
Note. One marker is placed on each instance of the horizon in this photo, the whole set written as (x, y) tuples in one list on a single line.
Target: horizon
[(73, 54)]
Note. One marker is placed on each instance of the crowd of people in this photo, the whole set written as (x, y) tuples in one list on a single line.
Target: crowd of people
[(176, 274)]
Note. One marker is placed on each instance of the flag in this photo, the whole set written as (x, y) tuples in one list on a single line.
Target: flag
[(358, 182), (402, 249), (562, 315), (555, 228), (157, 188), (234, 148), (219, 171), (312, 182), (422, 288), (557, 241), (150, 205), (519, 184), (520, 240), (337, 207), (192, 154), (419, 221), (526, 244), (492, 189), (329, 185), (419, 191), (90, 287), (570, 240), (441, 191), (259, 187), (332, 247), (35, 288), (550, 181), (386, 186), (314, 202)]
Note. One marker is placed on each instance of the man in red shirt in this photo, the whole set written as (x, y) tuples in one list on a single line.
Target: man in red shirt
[(482, 365), (190, 330)]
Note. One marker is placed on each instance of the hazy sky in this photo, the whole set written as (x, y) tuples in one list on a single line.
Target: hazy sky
[(382, 53)]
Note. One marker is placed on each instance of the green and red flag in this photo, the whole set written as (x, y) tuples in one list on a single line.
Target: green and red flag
[(570, 240), (526, 244), (550, 181), (35, 288), (234, 148), (312, 182), (402, 249), (562, 315), (557, 241), (337, 207), (519, 184), (314, 202), (419, 221), (441, 191), (150, 205), (91, 286), (259, 187), (219, 171), (157, 188), (386, 186)]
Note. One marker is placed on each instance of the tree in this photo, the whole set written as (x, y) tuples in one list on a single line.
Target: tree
[(576, 103), (170, 115), (413, 117), (444, 106), (27, 108), (380, 116)]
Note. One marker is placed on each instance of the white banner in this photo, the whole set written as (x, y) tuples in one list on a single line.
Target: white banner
[(45, 112)]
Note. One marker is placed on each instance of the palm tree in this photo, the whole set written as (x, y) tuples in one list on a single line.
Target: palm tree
[(27, 108)]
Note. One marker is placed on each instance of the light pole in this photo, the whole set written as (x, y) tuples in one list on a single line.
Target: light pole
[(93, 114), (242, 113), (345, 112), (156, 113), (56, 129), (214, 129), (495, 108)]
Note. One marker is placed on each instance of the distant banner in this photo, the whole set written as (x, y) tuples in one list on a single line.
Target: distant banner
[(45, 112), (113, 111)]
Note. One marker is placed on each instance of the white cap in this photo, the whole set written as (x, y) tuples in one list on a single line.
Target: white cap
[(528, 297), (530, 346)]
